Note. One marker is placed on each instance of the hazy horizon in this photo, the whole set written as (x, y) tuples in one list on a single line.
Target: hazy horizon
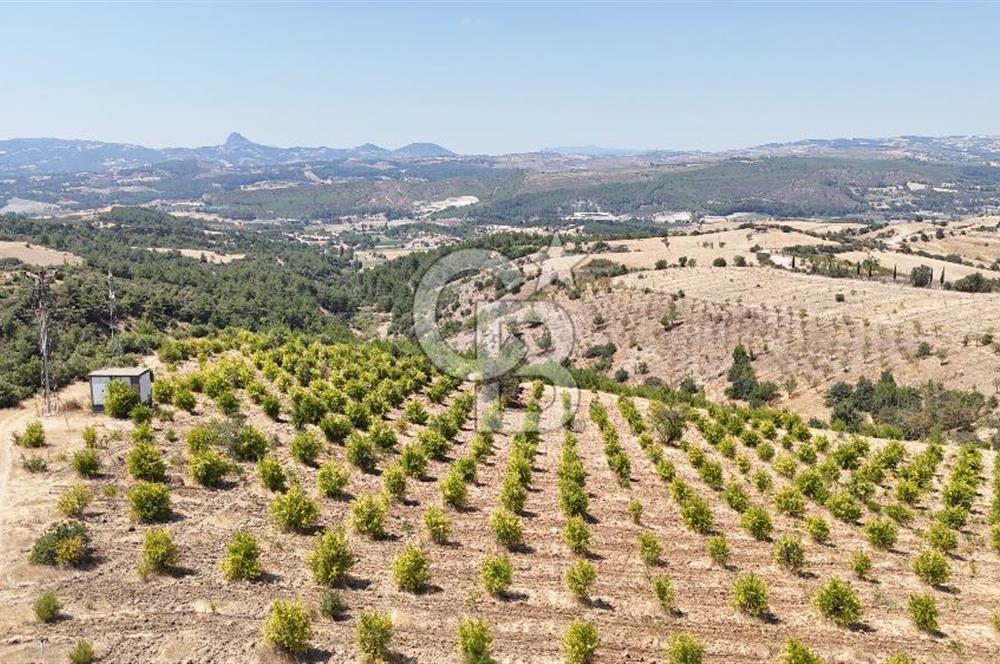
[(499, 78)]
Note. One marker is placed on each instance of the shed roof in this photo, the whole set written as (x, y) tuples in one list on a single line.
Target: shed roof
[(115, 372)]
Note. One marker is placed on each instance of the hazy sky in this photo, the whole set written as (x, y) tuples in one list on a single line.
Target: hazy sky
[(498, 78)]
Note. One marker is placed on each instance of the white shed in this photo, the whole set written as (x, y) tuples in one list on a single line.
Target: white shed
[(139, 379)]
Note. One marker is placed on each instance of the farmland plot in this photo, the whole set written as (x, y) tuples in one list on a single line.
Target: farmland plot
[(633, 528)]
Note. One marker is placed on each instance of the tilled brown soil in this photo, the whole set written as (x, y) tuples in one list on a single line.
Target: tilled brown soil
[(196, 616)]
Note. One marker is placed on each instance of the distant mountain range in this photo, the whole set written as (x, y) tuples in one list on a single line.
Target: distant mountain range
[(36, 156), (54, 155)]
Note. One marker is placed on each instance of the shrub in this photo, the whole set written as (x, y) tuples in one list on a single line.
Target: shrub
[(119, 399), (64, 543), (580, 576), (433, 444), (881, 533), (762, 481), (513, 495), (506, 528), (411, 570), (580, 643), (685, 648), (796, 652), (294, 510), (75, 500), (697, 514), (474, 641), (332, 605), (361, 452), (924, 612), (305, 448), (573, 499), (47, 607), (437, 524), (335, 427), (149, 502), (272, 475), (331, 480), (844, 507), (34, 464), (898, 513), (900, 658), (634, 510), (931, 567), (907, 491), (184, 399), (663, 587), (750, 594), (718, 550), (453, 489), (954, 517), (818, 529), (145, 462), (208, 468), (413, 460), (838, 602), (416, 412), (394, 482), (649, 549), (941, 537), (861, 564), (249, 445), (373, 635), (330, 558), (368, 515), (497, 573), (576, 534), (736, 497), (86, 463), (242, 559), (382, 437), (159, 553), (757, 522), (789, 553), (82, 653), (288, 626), (789, 500)]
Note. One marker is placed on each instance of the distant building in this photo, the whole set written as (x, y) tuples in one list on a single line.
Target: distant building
[(139, 379)]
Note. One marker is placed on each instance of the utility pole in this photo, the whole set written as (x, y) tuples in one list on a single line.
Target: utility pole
[(42, 301), (116, 348)]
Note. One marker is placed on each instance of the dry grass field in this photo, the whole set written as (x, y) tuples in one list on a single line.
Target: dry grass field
[(36, 255), (202, 254), (180, 615), (703, 249)]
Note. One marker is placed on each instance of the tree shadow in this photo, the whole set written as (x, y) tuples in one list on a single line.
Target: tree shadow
[(592, 555), (522, 548), (315, 654), (770, 618), (356, 583), (861, 627), (180, 572), (600, 604), (511, 596)]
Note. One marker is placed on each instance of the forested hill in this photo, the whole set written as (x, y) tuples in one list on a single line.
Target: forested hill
[(278, 283)]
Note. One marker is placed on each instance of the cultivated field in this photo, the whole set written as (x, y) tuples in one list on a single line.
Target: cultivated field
[(794, 324), (180, 613)]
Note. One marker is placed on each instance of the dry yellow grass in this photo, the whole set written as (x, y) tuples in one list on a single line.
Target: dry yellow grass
[(34, 254)]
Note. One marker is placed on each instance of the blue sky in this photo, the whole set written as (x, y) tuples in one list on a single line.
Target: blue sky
[(498, 77)]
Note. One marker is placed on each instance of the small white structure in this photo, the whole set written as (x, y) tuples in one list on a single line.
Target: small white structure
[(140, 379)]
